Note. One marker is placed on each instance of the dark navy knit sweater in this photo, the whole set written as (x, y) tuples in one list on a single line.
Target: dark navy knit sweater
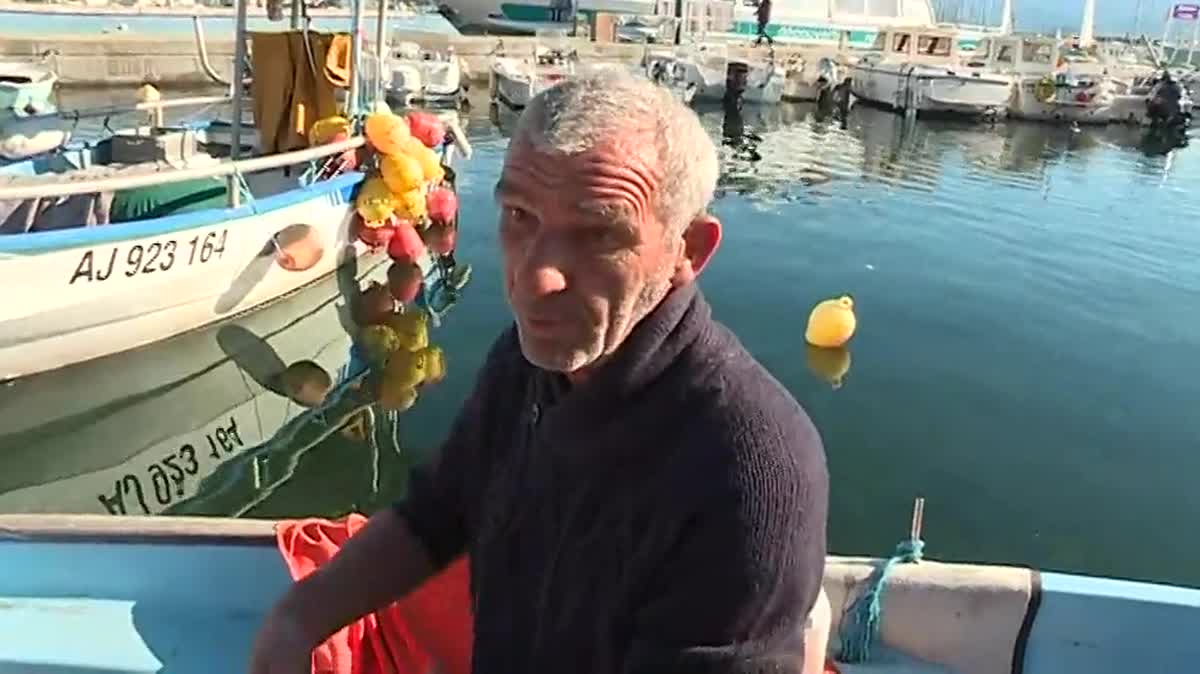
[(666, 516)]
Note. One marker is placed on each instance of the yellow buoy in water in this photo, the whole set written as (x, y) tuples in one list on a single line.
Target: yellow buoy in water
[(830, 365), (405, 369), (411, 329), (831, 323), (395, 396)]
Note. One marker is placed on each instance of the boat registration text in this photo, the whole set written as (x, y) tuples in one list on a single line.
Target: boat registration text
[(165, 479), (100, 264)]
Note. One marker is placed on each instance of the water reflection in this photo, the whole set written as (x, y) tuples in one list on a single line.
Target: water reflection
[(215, 421), (791, 152)]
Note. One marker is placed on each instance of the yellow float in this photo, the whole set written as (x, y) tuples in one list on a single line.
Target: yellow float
[(435, 364), (378, 342), (831, 323), (387, 133), (327, 130), (411, 329), (405, 369), (410, 205), (431, 164), (829, 365), (395, 397), (401, 172), (374, 202)]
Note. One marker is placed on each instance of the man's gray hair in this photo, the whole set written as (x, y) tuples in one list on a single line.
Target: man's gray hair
[(576, 114)]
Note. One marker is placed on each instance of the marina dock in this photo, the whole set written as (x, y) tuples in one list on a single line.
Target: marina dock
[(113, 60)]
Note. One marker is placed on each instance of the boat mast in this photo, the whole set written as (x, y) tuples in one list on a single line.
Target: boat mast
[(239, 77), (1006, 18), (381, 47), (355, 59), (1087, 32)]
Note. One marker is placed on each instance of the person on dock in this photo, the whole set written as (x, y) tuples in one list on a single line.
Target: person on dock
[(763, 13), (634, 492)]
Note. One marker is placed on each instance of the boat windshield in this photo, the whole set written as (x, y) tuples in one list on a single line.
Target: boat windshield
[(934, 45), (1036, 52)]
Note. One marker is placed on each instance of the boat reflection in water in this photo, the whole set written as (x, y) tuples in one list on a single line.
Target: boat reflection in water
[(797, 152), (208, 422)]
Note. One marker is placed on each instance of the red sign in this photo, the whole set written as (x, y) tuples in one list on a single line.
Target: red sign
[(1185, 12)]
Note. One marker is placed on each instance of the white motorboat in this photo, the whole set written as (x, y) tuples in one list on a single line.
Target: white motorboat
[(1047, 86), (26, 88), (922, 70), (810, 82), (417, 76), (719, 77), (514, 81), (666, 70)]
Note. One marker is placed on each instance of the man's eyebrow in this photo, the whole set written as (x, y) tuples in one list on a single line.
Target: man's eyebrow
[(615, 211)]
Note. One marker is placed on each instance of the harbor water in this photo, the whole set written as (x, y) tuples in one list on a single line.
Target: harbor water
[(1025, 359)]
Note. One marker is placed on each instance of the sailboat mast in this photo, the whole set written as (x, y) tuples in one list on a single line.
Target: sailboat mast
[(1087, 32)]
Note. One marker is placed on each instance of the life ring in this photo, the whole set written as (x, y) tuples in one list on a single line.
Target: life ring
[(337, 60), (1044, 89)]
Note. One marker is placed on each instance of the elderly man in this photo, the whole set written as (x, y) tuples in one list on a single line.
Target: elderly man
[(636, 493)]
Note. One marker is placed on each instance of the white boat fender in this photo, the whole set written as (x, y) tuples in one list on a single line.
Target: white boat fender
[(460, 138)]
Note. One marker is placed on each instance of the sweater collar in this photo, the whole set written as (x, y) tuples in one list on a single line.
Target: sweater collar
[(651, 347)]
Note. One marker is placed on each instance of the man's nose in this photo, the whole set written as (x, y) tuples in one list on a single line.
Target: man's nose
[(543, 270)]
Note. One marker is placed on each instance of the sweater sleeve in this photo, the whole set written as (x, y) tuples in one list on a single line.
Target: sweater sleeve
[(436, 504), (734, 592)]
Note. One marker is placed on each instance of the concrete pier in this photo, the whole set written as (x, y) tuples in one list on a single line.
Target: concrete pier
[(100, 61)]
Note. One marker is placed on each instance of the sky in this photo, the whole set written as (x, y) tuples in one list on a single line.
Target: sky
[(1112, 16)]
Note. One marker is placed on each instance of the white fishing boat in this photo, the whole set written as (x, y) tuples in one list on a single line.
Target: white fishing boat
[(26, 88), (665, 69), (156, 422), (417, 76), (807, 81), (162, 590), (514, 80), (718, 77), (165, 233), (1046, 85), (922, 70)]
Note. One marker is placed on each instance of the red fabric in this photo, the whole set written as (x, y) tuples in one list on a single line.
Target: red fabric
[(432, 624)]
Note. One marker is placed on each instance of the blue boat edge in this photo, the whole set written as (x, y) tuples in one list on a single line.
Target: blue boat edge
[(161, 567)]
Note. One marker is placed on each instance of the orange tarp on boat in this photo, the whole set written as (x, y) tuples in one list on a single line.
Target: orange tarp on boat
[(430, 625)]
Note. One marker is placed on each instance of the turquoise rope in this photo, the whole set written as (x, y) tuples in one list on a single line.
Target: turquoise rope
[(862, 623)]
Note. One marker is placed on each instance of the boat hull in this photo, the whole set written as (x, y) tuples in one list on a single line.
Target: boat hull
[(107, 289), (125, 449), (425, 82), (145, 602), (1100, 108), (930, 90), (30, 90)]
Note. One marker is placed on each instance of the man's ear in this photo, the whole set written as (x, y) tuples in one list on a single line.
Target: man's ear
[(700, 241)]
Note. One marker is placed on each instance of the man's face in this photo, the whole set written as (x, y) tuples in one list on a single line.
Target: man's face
[(585, 257)]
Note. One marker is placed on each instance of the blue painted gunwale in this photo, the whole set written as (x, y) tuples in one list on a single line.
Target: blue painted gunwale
[(147, 602), (43, 242)]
